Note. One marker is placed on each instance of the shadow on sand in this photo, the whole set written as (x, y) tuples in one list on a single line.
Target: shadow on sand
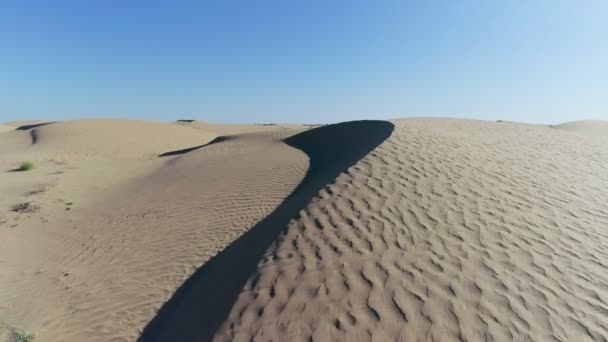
[(190, 149), (203, 302), (28, 127)]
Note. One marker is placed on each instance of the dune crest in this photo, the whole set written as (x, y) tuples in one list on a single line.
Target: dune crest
[(232, 129), (115, 138), (115, 237), (415, 229), (20, 123), (595, 128), (450, 230), (200, 305)]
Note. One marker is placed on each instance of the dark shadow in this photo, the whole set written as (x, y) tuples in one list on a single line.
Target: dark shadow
[(203, 302), (34, 135), (27, 127), (190, 149)]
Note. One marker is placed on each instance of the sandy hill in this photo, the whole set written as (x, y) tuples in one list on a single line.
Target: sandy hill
[(6, 128), (449, 230), (229, 129), (425, 229), (587, 127), (108, 138), (22, 123)]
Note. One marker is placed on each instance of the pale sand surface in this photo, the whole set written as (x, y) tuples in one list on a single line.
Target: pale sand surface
[(434, 229), (586, 127), (137, 224), (228, 129), (6, 128), (20, 123)]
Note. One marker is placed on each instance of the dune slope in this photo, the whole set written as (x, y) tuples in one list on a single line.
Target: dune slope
[(102, 269), (588, 128), (115, 138), (6, 128), (451, 230), (20, 123), (231, 129), (417, 230), (200, 305)]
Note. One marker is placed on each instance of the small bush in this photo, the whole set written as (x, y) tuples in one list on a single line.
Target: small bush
[(23, 337), (26, 207), (26, 166)]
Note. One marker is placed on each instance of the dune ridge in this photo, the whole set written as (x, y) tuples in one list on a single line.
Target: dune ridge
[(20, 123), (449, 231), (118, 138), (136, 229), (595, 128), (414, 229), (233, 129), (200, 304)]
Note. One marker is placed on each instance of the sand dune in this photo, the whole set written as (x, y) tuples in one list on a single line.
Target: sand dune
[(6, 128), (21, 123), (96, 273), (231, 129), (587, 127), (111, 140), (450, 230), (416, 229), (201, 304), (115, 138)]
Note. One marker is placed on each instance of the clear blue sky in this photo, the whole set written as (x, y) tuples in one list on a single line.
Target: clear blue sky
[(304, 61)]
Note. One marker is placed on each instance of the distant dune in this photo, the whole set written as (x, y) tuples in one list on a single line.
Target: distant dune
[(6, 128), (589, 127), (414, 229), (228, 129), (112, 138), (25, 123)]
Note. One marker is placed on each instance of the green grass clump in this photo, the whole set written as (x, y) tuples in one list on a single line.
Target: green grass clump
[(26, 166), (23, 337)]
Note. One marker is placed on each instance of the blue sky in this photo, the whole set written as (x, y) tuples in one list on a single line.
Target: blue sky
[(304, 61)]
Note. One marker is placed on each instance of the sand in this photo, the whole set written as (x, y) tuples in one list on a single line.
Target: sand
[(230, 129), (23, 123), (595, 128), (414, 229), (6, 128)]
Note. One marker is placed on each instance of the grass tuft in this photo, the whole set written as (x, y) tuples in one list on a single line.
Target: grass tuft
[(23, 337), (25, 166)]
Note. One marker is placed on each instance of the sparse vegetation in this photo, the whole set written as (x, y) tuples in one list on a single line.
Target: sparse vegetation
[(36, 191), (25, 166), (26, 207), (23, 337)]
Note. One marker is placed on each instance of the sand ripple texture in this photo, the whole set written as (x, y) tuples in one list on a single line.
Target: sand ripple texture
[(451, 230), (100, 271)]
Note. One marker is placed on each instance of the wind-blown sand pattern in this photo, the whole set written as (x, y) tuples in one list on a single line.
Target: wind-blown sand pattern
[(450, 230), (100, 272), (417, 230)]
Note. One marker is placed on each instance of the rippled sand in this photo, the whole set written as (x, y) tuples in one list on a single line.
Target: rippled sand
[(415, 229)]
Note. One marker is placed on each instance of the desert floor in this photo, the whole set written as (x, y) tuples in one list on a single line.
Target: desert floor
[(409, 229)]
